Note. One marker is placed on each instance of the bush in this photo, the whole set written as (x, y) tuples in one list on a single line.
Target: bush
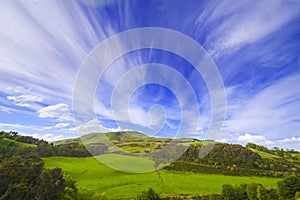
[(288, 187), (149, 195), (252, 191)]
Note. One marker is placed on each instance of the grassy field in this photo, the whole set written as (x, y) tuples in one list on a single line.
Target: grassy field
[(264, 154), (92, 177)]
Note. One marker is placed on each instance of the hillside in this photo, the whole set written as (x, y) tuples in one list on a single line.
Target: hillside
[(93, 176), (8, 147), (228, 159), (189, 176), (128, 141)]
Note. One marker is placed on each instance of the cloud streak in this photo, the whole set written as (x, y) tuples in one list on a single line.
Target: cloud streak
[(254, 44)]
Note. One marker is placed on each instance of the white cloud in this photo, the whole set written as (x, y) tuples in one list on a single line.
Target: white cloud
[(93, 126), (243, 139), (58, 111), (251, 138), (17, 90), (37, 54), (62, 125), (24, 100), (292, 139), (224, 140), (49, 137), (270, 111), (9, 127)]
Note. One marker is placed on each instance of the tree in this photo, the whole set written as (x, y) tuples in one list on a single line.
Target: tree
[(272, 193), (228, 192), (22, 177), (152, 195), (241, 191), (262, 193), (70, 192), (51, 184), (252, 191), (288, 187), (149, 195), (18, 175)]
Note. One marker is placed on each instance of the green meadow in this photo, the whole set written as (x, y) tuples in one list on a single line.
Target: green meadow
[(95, 177), (264, 154)]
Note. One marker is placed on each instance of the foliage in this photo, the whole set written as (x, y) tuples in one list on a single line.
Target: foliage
[(252, 191), (275, 151), (288, 187), (12, 142), (230, 192), (232, 159), (20, 174), (7, 149), (149, 195), (22, 177), (20, 138), (50, 184), (262, 193)]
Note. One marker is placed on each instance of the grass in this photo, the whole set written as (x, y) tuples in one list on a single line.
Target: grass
[(297, 155), (129, 164), (19, 144), (264, 154), (92, 177)]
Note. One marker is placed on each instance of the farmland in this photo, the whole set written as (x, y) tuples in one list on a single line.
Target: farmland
[(92, 177)]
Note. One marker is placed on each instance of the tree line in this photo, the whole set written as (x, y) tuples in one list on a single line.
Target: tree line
[(275, 151), (287, 189), (23, 176), (233, 159), (43, 148)]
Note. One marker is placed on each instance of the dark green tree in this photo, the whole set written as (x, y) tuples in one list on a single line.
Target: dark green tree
[(252, 191), (51, 184), (262, 193), (229, 192), (18, 175), (70, 191), (152, 195), (288, 187)]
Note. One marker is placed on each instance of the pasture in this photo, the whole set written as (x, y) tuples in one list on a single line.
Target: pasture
[(95, 177)]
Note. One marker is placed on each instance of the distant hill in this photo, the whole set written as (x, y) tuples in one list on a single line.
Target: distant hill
[(98, 137), (229, 159), (128, 141)]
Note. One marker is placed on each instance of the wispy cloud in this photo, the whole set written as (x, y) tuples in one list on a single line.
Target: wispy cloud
[(241, 24), (43, 44), (270, 111), (24, 100), (59, 111)]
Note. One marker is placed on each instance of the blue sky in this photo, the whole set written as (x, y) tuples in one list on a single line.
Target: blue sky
[(254, 44)]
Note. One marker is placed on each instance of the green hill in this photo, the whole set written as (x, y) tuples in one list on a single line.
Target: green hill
[(127, 141), (264, 154), (190, 175), (9, 147), (92, 176)]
